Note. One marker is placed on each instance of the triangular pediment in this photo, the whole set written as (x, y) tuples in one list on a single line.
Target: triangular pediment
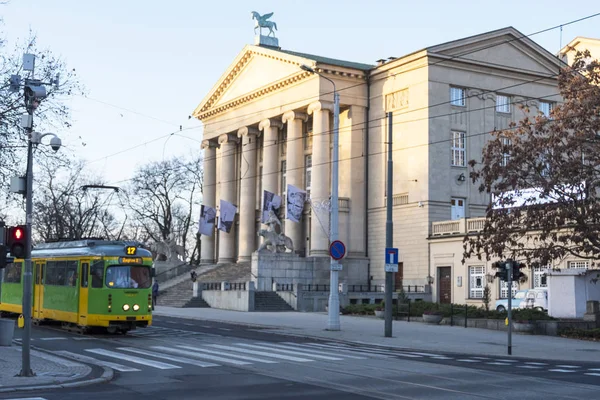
[(504, 48), (256, 71)]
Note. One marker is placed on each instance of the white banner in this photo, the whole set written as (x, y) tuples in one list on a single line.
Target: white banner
[(270, 202), (227, 216), (207, 220), (295, 203)]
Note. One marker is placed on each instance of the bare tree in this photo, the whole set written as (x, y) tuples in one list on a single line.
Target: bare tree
[(544, 178), (163, 197)]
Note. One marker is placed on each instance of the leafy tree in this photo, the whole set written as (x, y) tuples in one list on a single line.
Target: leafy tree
[(543, 175)]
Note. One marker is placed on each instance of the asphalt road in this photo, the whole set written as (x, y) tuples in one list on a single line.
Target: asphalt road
[(181, 359)]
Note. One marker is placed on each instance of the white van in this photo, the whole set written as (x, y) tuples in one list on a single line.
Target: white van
[(536, 299)]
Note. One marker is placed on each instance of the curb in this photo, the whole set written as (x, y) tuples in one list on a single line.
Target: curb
[(107, 375)]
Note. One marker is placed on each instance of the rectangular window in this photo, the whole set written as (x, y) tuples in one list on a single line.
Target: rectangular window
[(97, 272), (13, 272), (308, 173), (539, 278), (457, 96), (476, 281), (458, 149), (128, 277), (504, 289), (505, 151), (578, 265), (502, 104), (283, 140), (546, 107), (84, 274), (308, 136)]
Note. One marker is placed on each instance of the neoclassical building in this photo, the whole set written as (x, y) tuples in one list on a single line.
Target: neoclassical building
[(268, 123)]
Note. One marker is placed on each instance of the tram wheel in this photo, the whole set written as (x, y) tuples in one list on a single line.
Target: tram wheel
[(112, 330)]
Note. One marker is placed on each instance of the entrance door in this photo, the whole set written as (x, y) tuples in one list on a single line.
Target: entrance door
[(457, 208), (38, 291), (445, 285), (84, 274)]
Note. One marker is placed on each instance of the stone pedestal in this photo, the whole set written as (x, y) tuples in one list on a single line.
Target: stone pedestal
[(269, 41)]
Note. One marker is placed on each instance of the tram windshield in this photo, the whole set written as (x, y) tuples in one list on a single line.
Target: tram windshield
[(128, 277)]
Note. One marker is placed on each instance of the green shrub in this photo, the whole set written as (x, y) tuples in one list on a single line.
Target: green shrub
[(529, 314), (574, 333)]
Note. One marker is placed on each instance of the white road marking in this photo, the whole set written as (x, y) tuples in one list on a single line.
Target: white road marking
[(83, 338), (168, 357), (133, 359), (53, 338), (95, 361), (220, 352), (57, 360), (315, 351), (427, 354), (338, 349), (529, 366), (442, 358), (469, 360), (254, 346), (498, 363), (592, 373), (594, 369), (481, 358), (225, 329), (507, 361), (561, 370), (568, 366), (260, 353), (197, 355), (29, 398), (535, 363), (188, 324)]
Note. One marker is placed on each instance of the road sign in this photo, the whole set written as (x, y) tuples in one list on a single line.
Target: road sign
[(337, 250), (391, 256), (336, 267), (391, 267)]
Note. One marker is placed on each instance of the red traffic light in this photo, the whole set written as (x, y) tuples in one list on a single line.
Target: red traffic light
[(18, 232), (17, 241)]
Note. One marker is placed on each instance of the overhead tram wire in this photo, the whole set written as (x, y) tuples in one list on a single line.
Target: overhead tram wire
[(409, 111)]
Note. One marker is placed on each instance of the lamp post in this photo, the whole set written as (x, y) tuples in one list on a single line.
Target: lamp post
[(333, 322)]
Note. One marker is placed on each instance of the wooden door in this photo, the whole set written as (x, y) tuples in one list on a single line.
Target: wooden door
[(445, 285)]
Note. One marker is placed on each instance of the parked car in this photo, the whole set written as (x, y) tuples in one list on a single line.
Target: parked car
[(502, 304), (536, 299)]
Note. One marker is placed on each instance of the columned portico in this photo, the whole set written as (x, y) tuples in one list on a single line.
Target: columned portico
[(321, 177), (270, 166), (247, 237), (209, 196), (227, 185), (294, 167)]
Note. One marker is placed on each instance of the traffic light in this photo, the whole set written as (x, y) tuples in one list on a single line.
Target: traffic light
[(501, 272), (516, 271), (3, 249), (16, 241)]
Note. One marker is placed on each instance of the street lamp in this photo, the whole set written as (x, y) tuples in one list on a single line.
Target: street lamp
[(333, 322)]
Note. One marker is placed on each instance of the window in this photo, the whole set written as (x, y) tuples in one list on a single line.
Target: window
[(504, 289), (128, 277), (458, 149), (457, 96), (546, 107), (476, 282), (578, 265), (308, 174), (84, 274), (505, 151), (61, 273), (539, 277), (12, 273), (308, 135), (283, 140), (457, 208), (502, 104), (97, 272)]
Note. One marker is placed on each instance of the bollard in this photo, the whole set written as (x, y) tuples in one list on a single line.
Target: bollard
[(7, 330), (466, 310)]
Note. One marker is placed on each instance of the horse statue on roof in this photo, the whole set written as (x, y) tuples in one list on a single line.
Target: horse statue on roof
[(261, 22)]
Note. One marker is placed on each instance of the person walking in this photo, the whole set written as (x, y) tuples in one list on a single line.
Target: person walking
[(154, 294)]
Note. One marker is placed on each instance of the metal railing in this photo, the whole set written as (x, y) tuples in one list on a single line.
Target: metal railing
[(285, 287), (315, 288)]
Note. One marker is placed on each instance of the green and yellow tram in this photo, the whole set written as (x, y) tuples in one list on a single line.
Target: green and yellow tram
[(85, 284)]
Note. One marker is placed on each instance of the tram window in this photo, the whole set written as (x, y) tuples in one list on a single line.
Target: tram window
[(55, 273), (97, 271), (71, 273), (12, 274), (84, 275)]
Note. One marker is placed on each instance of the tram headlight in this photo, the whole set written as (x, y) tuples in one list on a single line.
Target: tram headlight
[(125, 307), (136, 307)]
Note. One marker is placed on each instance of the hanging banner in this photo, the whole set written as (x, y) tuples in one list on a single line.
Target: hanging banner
[(207, 220), (295, 203), (227, 216), (270, 202)]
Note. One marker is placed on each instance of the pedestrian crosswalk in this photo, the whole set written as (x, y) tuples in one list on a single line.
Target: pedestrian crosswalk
[(206, 355)]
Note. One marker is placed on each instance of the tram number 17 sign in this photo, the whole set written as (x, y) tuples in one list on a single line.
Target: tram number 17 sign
[(391, 259)]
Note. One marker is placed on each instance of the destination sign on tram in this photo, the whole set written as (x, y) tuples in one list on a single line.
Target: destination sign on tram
[(130, 260)]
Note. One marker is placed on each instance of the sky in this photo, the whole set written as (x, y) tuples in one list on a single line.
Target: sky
[(147, 64)]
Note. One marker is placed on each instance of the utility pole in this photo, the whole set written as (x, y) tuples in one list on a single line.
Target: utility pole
[(508, 266), (389, 234)]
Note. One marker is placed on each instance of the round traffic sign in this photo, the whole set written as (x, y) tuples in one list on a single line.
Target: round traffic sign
[(337, 250)]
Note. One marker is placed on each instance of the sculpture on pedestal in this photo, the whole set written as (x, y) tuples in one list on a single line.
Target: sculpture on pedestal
[(261, 22), (169, 249), (276, 242)]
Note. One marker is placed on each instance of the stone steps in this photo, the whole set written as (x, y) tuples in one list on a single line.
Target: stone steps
[(270, 301), (196, 302)]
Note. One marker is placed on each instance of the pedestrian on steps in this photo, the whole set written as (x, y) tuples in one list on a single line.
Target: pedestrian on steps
[(193, 275), (154, 294)]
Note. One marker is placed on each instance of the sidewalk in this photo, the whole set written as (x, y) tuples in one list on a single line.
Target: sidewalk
[(51, 372), (406, 335)]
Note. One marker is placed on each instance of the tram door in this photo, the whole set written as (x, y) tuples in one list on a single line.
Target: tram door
[(83, 292), (38, 291)]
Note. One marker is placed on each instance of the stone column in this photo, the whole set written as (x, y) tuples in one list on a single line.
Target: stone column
[(227, 184), (207, 252), (247, 237), (270, 168), (295, 168), (321, 177)]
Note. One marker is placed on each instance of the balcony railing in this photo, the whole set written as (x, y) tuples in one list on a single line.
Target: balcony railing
[(457, 226)]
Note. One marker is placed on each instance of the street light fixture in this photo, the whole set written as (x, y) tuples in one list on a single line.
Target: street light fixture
[(333, 321)]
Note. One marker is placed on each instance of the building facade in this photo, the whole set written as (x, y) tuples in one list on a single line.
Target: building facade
[(268, 123)]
